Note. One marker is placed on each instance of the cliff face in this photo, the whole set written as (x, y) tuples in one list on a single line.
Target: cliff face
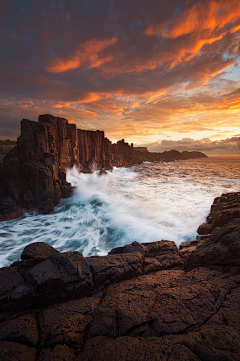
[(32, 175), (55, 141)]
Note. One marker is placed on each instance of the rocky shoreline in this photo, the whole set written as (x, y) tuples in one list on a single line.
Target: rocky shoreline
[(144, 301), (32, 175)]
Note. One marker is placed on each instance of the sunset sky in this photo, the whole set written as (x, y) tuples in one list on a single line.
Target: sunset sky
[(159, 73)]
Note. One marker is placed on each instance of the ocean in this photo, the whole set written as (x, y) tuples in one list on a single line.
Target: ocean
[(144, 203)]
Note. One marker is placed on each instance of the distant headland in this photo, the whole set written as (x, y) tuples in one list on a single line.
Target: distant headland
[(32, 175)]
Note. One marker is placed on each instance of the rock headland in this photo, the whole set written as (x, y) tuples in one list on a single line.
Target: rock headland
[(32, 175), (143, 301)]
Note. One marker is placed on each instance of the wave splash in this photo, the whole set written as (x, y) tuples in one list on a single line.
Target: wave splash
[(108, 214), (144, 203)]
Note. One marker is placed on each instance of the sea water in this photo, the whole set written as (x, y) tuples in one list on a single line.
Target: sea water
[(144, 203)]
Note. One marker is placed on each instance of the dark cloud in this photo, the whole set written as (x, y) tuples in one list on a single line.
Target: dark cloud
[(133, 63)]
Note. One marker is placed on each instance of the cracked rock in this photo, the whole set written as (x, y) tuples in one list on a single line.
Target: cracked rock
[(67, 323)]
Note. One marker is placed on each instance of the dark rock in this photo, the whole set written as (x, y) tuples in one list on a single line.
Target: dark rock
[(187, 244), (41, 282), (75, 272), (131, 349), (60, 276), (210, 343), (221, 248), (165, 254), (14, 293), (44, 279), (115, 268), (205, 228), (67, 323), (129, 248), (23, 329), (38, 250), (218, 256), (228, 233), (151, 265), (59, 353), (228, 314), (155, 249), (223, 210), (163, 303), (12, 351), (148, 306), (9, 209), (67, 190)]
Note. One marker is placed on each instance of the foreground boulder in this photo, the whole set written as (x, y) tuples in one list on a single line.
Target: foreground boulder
[(38, 250), (142, 301)]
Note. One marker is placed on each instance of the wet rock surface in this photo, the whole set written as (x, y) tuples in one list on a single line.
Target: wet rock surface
[(141, 302)]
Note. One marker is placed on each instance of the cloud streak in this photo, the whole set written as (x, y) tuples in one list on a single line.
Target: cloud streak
[(161, 69), (88, 57)]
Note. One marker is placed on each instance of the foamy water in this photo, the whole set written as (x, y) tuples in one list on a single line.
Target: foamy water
[(144, 203)]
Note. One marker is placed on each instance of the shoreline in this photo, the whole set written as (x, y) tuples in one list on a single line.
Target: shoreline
[(139, 301), (190, 203)]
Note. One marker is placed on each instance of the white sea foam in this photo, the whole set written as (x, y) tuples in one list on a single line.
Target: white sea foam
[(145, 203)]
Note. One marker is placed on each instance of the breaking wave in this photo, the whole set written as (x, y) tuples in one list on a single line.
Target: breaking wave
[(144, 203)]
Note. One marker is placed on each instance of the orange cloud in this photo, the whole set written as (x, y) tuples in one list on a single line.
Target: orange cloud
[(62, 105), (204, 23), (88, 57), (154, 96), (74, 106), (88, 112), (210, 16), (59, 66), (92, 97), (235, 29)]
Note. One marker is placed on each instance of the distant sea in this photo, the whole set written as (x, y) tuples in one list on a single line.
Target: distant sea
[(144, 203)]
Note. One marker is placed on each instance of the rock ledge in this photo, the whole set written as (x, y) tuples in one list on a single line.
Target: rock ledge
[(142, 301)]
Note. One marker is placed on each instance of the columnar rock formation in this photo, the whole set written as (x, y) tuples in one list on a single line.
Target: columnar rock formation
[(54, 140), (32, 175), (144, 301)]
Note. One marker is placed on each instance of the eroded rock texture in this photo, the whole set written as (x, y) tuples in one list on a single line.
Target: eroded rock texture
[(144, 301)]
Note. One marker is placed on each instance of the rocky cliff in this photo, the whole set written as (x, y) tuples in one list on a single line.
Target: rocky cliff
[(143, 301), (32, 175)]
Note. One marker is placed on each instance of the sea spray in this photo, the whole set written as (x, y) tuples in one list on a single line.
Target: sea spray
[(145, 203)]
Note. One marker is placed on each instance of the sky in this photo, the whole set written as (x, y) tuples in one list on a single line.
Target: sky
[(157, 73)]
